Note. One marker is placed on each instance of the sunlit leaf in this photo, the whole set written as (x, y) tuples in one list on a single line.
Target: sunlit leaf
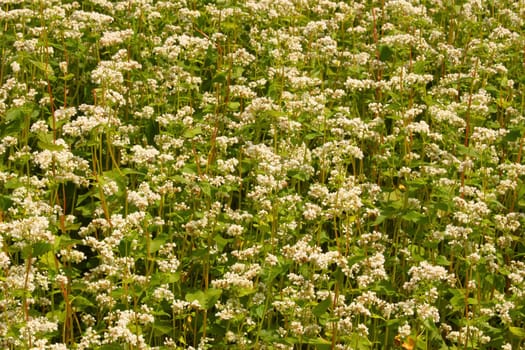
[(206, 298)]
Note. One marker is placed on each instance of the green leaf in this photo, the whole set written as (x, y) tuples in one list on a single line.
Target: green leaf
[(206, 188), (512, 135), (517, 331), (59, 315), (49, 261), (41, 248), (442, 260), (117, 176), (441, 206), (44, 67), (160, 278), (312, 135), (414, 216), (112, 346), (360, 341), (5, 202), (260, 311), (473, 301), (457, 301), (320, 343), (206, 298), (68, 77), (221, 242), (156, 244), (13, 183), (45, 142), (82, 302), (321, 308), (420, 67), (191, 133), (394, 196), (241, 292), (298, 175), (237, 72), (14, 114), (385, 53), (162, 327), (269, 336), (128, 171), (87, 210), (219, 78), (233, 106), (467, 151), (14, 118)]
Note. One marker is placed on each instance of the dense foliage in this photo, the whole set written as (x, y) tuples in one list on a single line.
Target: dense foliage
[(274, 174)]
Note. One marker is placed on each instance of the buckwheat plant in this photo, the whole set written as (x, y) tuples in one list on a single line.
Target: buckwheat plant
[(275, 174)]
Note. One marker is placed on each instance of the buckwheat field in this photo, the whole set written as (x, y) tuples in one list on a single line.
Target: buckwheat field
[(262, 174)]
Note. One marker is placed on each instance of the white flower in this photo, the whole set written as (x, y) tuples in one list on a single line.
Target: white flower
[(15, 67), (110, 38), (234, 230), (404, 330)]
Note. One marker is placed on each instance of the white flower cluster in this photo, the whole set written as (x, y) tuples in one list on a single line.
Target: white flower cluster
[(110, 38), (428, 273), (274, 174), (239, 276), (121, 327)]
